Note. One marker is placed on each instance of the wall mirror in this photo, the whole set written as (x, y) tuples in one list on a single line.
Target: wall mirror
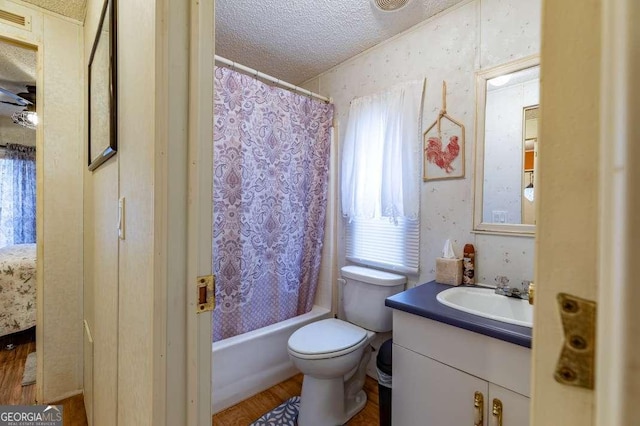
[(507, 112), (102, 112)]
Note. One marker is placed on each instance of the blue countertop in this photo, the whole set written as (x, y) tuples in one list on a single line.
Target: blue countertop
[(421, 300)]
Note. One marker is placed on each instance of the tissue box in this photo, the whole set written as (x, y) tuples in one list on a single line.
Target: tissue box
[(448, 271)]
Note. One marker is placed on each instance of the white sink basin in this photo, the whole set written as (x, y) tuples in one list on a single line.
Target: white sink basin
[(485, 303)]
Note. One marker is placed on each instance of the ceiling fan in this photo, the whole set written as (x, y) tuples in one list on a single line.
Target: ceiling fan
[(27, 117), (20, 99)]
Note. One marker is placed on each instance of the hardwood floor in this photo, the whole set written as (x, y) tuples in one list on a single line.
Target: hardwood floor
[(12, 366), (73, 413), (248, 411), (11, 390)]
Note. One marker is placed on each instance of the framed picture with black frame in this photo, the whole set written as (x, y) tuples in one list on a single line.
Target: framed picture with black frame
[(102, 114)]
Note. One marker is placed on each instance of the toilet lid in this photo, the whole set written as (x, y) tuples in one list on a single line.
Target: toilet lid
[(326, 336)]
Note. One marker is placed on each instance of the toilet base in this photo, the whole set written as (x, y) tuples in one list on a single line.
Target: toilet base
[(356, 405), (327, 407)]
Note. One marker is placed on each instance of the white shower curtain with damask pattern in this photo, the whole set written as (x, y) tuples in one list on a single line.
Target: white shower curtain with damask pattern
[(271, 166)]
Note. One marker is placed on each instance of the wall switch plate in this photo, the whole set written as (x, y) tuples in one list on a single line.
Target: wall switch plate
[(499, 216), (121, 218)]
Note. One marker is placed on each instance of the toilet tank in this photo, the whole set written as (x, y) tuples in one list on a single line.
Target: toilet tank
[(364, 293)]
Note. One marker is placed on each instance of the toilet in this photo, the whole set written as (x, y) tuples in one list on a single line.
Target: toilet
[(333, 354)]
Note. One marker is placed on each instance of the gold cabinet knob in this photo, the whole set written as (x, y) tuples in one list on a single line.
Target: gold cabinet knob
[(478, 405), (497, 412)]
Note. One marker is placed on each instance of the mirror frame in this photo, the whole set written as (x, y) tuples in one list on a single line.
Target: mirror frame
[(108, 151), (526, 181), (478, 160)]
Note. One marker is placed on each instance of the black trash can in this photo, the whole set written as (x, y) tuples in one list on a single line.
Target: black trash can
[(383, 362)]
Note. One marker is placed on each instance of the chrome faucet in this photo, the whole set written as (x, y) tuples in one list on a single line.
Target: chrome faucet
[(505, 290)]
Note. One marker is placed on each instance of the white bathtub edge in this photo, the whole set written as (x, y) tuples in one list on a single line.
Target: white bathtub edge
[(260, 359), (249, 387), (316, 313)]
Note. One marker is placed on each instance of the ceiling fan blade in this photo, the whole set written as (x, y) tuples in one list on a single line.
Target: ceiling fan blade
[(11, 103), (22, 101)]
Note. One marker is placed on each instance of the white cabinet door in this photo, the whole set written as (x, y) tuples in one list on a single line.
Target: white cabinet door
[(515, 407), (428, 393)]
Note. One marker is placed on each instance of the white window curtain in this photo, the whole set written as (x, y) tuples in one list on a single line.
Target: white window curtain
[(381, 178), (381, 157)]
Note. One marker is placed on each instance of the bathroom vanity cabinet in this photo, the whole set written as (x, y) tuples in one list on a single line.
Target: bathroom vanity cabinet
[(438, 369)]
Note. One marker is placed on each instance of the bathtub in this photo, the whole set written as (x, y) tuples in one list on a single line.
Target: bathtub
[(247, 364)]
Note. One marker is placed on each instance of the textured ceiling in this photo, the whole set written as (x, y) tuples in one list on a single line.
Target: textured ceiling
[(298, 39), (17, 69), (71, 8)]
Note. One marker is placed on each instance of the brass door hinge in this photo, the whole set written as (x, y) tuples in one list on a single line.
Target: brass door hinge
[(576, 366), (206, 293)]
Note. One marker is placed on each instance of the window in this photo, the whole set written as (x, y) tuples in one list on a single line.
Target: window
[(381, 178), (383, 243), (17, 195)]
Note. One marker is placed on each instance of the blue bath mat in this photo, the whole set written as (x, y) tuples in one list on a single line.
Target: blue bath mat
[(285, 414)]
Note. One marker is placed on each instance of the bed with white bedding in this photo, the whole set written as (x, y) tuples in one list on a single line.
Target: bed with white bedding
[(17, 288)]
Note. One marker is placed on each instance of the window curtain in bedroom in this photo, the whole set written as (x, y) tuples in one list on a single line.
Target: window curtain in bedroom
[(17, 195), (271, 165)]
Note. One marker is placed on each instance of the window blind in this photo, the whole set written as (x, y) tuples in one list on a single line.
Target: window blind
[(383, 243)]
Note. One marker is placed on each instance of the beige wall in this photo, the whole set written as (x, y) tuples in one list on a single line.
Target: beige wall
[(451, 46), (61, 237), (59, 222), (136, 156), (101, 271), (134, 298), (119, 273)]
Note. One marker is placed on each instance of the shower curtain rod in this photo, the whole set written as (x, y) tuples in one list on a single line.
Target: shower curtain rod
[(263, 76)]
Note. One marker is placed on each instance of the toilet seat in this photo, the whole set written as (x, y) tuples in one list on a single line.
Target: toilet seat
[(326, 339)]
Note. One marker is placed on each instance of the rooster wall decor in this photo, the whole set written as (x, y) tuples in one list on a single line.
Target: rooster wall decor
[(443, 160)]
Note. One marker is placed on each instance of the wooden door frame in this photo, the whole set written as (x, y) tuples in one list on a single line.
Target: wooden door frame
[(36, 43), (184, 176), (617, 383), (200, 215), (617, 388)]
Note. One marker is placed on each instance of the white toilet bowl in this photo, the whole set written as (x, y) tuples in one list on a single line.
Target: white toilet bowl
[(333, 356)]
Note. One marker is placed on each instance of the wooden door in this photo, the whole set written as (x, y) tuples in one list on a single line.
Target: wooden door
[(618, 333), (567, 198)]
